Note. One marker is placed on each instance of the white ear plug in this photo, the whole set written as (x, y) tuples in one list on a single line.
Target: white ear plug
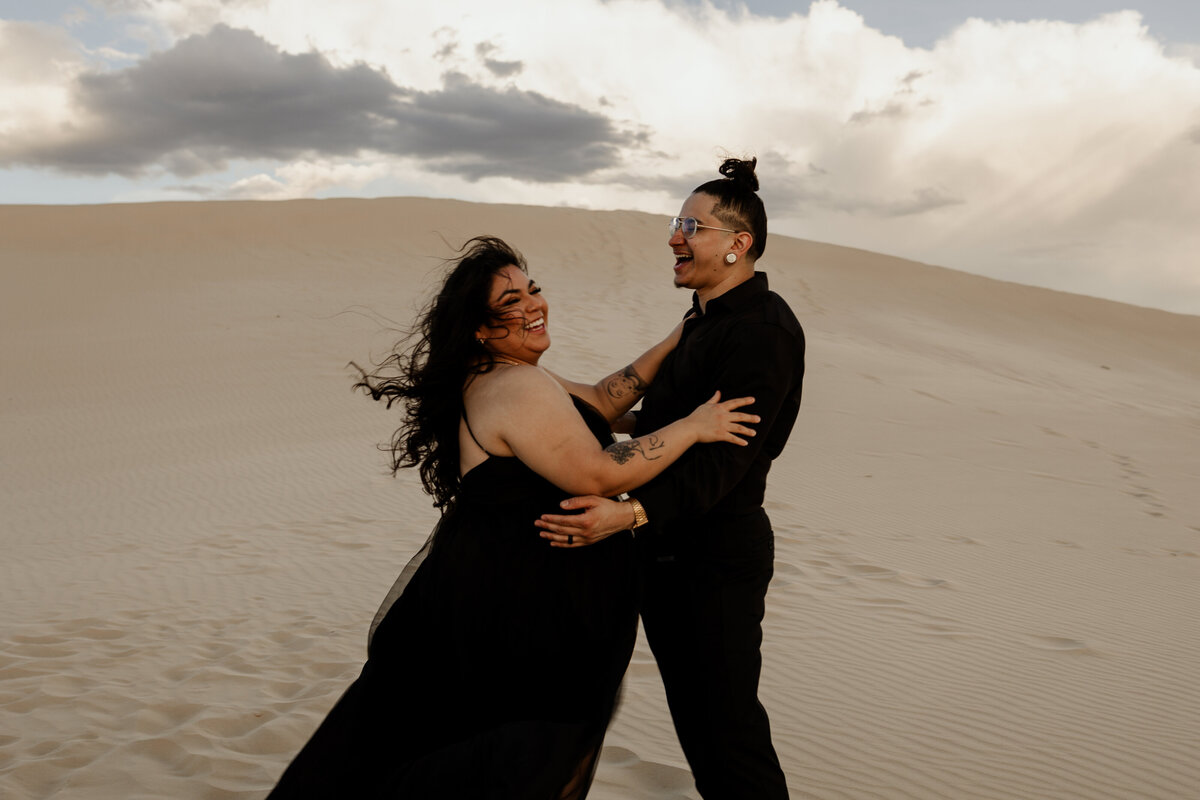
[(732, 257)]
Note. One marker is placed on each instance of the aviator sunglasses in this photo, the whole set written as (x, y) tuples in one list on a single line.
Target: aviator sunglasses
[(689, 226)]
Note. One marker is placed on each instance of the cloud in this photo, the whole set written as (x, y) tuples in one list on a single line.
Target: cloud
[(892, 110), (501, 69), (36, 53), (306, 179), (478, 132), (37, 63), (230, 94), (1187, 51)]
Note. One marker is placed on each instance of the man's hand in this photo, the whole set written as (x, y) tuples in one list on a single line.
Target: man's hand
[(599, 519)]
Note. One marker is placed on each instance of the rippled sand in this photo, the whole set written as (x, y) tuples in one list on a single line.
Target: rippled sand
[(987, 576)]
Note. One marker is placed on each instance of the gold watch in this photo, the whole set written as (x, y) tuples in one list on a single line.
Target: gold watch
[(639, 514)]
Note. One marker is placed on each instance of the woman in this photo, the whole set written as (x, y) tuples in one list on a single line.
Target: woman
[(496, 662)]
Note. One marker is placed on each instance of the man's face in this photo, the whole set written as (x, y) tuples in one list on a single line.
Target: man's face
[(700, 261)]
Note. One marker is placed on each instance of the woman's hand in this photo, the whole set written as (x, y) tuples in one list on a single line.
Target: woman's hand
[(722, 422)]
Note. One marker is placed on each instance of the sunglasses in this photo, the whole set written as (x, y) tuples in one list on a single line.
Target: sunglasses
[(689, 226)]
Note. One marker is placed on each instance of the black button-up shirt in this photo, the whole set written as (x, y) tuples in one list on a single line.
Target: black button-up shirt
[(746, 343)]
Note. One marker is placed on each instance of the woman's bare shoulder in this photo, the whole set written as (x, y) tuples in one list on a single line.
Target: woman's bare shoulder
[(525, 386)]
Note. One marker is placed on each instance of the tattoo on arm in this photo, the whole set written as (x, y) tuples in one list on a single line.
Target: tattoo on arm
[(623, 452), (621, 384)]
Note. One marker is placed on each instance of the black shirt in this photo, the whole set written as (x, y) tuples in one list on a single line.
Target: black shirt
[(746, 343)]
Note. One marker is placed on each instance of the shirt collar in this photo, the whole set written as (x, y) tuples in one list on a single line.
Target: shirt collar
[(736, 298)]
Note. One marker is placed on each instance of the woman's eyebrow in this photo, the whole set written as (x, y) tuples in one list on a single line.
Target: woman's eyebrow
[(512, 290)]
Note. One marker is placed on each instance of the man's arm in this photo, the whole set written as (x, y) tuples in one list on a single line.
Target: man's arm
[(763, 358), (768, 362), (615, 394)]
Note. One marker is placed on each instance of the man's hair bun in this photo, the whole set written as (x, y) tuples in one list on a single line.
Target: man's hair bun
[(741, 172), (738, 205)]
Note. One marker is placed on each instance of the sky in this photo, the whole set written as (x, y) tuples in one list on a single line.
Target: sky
[(1054, 143)]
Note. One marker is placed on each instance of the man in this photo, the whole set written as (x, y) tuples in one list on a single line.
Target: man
[(708, 541)]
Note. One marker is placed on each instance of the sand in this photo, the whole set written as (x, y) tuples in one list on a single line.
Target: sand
[(987, 580)]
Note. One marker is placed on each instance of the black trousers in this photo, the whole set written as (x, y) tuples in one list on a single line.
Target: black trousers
[(702, 612)]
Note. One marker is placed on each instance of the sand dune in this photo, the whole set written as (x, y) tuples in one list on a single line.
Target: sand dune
[(988, 570)]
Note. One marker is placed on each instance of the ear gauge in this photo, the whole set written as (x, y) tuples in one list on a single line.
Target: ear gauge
[(730, 258)]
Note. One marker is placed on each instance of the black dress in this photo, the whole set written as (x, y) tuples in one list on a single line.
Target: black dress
[(495, 671)]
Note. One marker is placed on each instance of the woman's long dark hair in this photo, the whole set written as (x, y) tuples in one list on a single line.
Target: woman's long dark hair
[(738, 205), (429, 376)]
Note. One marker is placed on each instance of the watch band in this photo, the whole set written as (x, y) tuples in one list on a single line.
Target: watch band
[(639, 514)]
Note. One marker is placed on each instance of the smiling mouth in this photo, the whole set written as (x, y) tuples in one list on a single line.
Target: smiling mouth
[(536, 326), (681, 259)]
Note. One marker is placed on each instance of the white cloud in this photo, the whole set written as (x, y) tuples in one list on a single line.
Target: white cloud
[(112, 54), (1047, 152), (37, 64), (1051, 134), (307, 179)]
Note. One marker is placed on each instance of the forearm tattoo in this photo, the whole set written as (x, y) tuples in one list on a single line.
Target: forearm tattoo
[(627, 382), (623, 452)]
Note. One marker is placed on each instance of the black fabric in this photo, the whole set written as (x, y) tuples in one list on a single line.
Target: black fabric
[(702, 613), (467, 422), (495, 671), (747, 343), (709, 547)]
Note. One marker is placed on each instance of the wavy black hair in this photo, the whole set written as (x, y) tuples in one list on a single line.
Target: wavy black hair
[(738, 205), (428, 376)]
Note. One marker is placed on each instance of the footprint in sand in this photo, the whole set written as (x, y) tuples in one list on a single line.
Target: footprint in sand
[(1135, 479), (1062, 644), (234, 726), (873, 572), (944, 632), (1170, 553)]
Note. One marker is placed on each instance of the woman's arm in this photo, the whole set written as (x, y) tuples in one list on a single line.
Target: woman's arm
[(523, 412), (615, 394)]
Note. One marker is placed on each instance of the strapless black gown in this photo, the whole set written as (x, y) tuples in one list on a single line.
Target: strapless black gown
[(496, 669)]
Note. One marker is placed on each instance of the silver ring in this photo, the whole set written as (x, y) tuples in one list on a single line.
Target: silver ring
[(570, 538)]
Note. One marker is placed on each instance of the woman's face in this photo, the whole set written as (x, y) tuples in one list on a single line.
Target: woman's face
[(518, 327)]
